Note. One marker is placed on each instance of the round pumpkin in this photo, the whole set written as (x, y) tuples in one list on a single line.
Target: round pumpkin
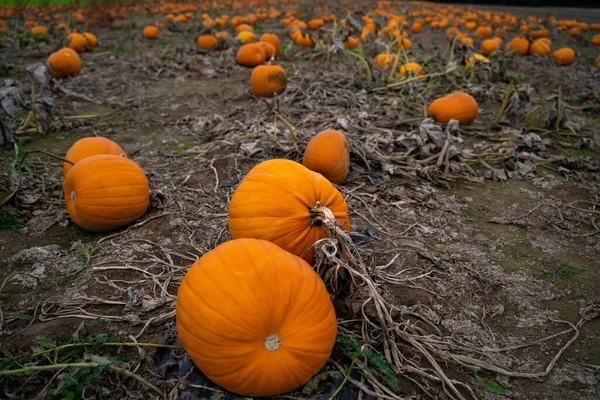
[(207, 42), (91, 39), (519, 45), (564, 56), (273, 40), (385, 60), (412, 68), (483, 32), (39, 31), (106, 192), (539, 48), (351, 43), (268, 80), (404, 43), (77, 42), (489, 46), (327, 154), (459, 106), (288, 221), (151, 32), (246, 37), (251, 55), (64, 63), (596, 40), (256, 319), (597, 62), (90, 146)]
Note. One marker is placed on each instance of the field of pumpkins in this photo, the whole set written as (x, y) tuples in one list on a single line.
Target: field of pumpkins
[(304, 200)]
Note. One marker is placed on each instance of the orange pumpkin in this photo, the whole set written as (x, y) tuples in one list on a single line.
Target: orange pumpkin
[(92, 41), (540, 33), (287, 222), (595, 27), (273, 40), (597, 62), (39, 31), (539, 48), (243, 28), (575, 32), (412, 68), (327, 154), (384, 60), (268, 80), (77, 42), (254, 318), (268, 48), (151, 32), (416, 28), (404, 43), (106, 192), (351, 43), (519, 45), (246, 37), (596, 40), (564, 56), (251, 55), (207, 42), (483, 32), (90, 146), (489, 46), (64, 63), (314, 24), (459, 106)]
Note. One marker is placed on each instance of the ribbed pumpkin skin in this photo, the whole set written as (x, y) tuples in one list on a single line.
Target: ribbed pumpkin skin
[(460, 106), (327, 154), (272, 203), (236, 296), (106, 192), (91, 146)]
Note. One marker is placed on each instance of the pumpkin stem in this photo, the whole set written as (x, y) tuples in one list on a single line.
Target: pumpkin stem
[(322, 216), (272, 342)]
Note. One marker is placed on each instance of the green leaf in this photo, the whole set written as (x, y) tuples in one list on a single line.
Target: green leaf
[(9, 221)]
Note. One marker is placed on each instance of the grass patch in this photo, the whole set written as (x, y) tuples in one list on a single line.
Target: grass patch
[(563, 270)]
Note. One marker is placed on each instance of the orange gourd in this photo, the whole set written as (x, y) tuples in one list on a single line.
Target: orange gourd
[(77, 42), (268, 80), (287, 222), (91, 39), (254, 318), (327, 154), (384, 60), (519, 45), (564, 56), (39, 31), (64, 63), (596, 40), (243, 28), (268, 48), (540, 33), (575, 32), (595, 27), (489, 46), (90, 146), (412, 68), (106, 192), (539, 48), (151, 32), (246, 37), (416, 28), (597, 62), (273, 40), (251, 55), (207, 42), (351, 43), (483, 32), (404, 43), (314, 24), (459, 106)]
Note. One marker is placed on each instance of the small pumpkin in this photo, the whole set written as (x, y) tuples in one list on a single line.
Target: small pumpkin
[(539, 48), (404, 43), (246, 37), (151, 32), (564, 56), (273, 40), (483, 32), (269, 50), (64, 63), (385, 60), (416, 28), (91, 39), (243, 28), (207, 42), (39, 31), (287, 222), (459, 106), (489, 46), (91, 146), (351, 43), (106, 192), (519, 45), (596, 40), (251, 55), (327, 154), (255, 319), (77, 42), (412, 68), (268, 80)]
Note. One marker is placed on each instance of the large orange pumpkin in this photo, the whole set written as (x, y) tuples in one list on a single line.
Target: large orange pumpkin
[(519, 45), (564, 56), (274, 203), (327, 154), (64, 63), (459, 106), (251, 55), (254, 318), (106, 192), (268, 80), (90, 146)]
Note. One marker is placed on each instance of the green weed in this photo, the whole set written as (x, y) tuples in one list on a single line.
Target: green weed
[(492, 385), (563, 270)]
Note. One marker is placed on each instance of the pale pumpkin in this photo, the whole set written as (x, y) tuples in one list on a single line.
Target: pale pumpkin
[(459, 106), (90, 146), (274, 202), (106, 192), (254, 318), (327, 154)]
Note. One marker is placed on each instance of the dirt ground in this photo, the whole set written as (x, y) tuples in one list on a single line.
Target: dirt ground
[(499, 258)]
